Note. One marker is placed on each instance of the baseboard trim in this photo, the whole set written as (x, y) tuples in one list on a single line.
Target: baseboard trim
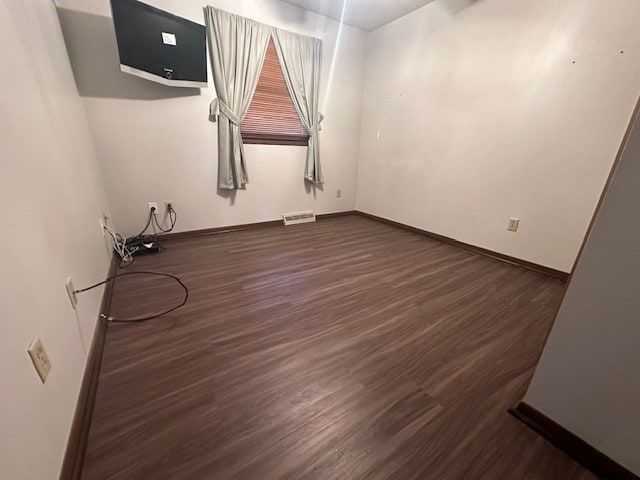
[(346, 213), (79, 434), (241, 227), (472, 248), (441, 238), (583, 453)]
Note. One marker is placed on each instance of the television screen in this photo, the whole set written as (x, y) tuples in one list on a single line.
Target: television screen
[(159, 46)]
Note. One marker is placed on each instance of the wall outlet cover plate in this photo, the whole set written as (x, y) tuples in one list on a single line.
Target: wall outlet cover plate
[(512, 226), (71, 291), (39, 358)]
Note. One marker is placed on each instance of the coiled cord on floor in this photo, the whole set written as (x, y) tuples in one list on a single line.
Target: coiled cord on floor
[(140, 319)]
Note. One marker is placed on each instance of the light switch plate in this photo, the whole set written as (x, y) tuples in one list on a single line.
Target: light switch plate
[(39, 358)]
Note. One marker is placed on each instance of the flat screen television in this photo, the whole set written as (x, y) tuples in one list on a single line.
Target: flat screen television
[(159, 46)]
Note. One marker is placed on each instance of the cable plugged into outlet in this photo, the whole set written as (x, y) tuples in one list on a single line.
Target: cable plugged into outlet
[(168, 205), (153, 206), (104, 223), (71, 291)]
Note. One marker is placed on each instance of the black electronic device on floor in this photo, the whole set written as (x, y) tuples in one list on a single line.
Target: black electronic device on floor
[(143, 245)]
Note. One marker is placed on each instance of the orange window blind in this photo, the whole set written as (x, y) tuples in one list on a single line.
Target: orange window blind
[(272, 117)]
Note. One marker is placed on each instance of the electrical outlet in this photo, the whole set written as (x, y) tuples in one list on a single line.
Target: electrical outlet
[(168, 204), (338, 193), (104, 223), (153, 205), (512, 226), (39, 358), (71, 291)]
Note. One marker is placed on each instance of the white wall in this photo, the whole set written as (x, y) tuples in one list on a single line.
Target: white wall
[(476, 111), (588, 378), (51, 199), (156, 143)]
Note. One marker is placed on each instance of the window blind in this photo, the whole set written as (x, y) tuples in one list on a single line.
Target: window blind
[(272, 117)]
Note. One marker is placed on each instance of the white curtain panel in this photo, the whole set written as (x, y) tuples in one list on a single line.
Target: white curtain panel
[(237, 47), (300, 58)]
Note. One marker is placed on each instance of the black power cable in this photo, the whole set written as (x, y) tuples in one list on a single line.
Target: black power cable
[(151, 211), (173, 216), (153, 217), (150, 317)]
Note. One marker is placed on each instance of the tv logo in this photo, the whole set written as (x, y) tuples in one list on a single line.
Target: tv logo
[(168, 38)]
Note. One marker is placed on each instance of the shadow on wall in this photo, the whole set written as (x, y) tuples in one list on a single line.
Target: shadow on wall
[(455, 6), (228, 194), (300, 16), (93, 52), (292, 15), (312, 188)]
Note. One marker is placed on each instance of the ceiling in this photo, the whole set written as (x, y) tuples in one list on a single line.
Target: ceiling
[(363, 14)]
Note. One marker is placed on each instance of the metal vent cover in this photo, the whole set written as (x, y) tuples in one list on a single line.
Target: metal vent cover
[(299, 217)]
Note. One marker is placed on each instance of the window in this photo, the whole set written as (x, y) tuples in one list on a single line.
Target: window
[(272, 117)]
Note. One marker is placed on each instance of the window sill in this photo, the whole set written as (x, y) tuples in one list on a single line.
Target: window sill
[(254, 140)]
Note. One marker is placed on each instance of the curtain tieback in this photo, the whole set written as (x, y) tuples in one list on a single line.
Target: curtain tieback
[(316, 127), (217, 107)]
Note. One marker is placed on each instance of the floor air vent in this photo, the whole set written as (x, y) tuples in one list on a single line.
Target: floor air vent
[(301, 217)]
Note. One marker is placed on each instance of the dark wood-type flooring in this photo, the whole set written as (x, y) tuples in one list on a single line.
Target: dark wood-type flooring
[(343, 349)]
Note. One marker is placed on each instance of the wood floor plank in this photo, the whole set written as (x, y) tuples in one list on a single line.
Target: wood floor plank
[(343, 349)]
